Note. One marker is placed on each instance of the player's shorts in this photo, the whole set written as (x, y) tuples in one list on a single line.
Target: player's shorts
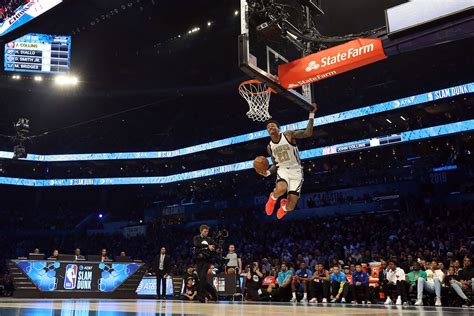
[(293, 178)]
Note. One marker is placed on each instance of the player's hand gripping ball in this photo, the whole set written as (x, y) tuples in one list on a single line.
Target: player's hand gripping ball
[(261, 165)]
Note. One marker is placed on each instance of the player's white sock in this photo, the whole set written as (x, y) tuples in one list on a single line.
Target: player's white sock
[(305, 296), (273, 198), (294, 294)]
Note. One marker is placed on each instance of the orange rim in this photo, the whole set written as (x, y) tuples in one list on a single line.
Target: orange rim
[(254, 81)]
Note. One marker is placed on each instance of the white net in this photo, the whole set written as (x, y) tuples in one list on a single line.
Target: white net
[(257, 94)]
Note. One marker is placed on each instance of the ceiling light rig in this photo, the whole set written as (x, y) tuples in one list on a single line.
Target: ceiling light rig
[(105, 16)]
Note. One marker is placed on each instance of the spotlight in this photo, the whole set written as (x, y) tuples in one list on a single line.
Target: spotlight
[(66, 80), (16, 77), (38, 78), (236, 12), (209, 23), (401, 116), (388, 121), (101, 215)]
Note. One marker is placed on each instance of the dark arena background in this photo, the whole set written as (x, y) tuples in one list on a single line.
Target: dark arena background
[(129, 130)]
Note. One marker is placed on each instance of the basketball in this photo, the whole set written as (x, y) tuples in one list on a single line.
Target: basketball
[(231, 271), (261, 163)]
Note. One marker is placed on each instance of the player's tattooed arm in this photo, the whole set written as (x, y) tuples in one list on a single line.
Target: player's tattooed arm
[(308, 131)]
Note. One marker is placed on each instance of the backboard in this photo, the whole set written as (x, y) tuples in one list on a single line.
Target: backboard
[(262, 45)]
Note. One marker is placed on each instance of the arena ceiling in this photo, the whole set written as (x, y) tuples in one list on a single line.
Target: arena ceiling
[(127, 55)]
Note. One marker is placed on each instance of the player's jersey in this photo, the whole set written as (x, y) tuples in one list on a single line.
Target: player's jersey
[(285, 154)]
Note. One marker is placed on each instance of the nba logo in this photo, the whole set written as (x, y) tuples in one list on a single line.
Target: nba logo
[(70, 277)]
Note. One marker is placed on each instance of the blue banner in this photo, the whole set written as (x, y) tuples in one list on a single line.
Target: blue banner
[(320, 121), (424, 133), (50, 276)]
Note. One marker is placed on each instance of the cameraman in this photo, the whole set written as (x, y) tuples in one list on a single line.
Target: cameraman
[(254, 282), (204, 248)]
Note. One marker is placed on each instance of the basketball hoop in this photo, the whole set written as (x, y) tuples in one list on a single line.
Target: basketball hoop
[(257, 94)]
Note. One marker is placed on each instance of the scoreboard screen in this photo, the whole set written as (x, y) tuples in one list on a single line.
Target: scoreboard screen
[(38, 53), (15, 13)]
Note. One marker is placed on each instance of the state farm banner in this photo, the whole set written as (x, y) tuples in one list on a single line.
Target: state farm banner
[(330, 62)]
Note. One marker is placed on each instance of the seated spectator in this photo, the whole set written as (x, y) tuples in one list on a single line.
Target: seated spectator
[(103, 255), (190, 275), (432, 284), (266, 266), (282, 291), (55, 254), (301, 278), (319, 287), (339, 285), (360, 283), (395, 284), (414, 275), (465, 282), (457, 266), (441, 267), (77, 254), (190, 291), (254, 282)]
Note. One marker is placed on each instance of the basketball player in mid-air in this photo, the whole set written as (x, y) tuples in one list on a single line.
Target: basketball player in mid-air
[(286, 164)]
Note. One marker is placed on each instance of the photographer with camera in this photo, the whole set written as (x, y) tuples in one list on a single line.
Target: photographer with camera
[(254, 281), (204, 248)]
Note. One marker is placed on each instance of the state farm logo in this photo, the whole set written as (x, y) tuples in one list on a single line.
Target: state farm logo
[(312, 65), (340, 57)]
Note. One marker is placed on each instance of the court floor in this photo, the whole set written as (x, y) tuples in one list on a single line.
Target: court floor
[(90, 307)]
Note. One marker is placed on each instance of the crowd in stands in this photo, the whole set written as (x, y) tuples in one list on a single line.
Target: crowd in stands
[(435, 235), (8, 7)]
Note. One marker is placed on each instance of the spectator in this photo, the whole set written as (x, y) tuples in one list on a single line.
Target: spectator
[(348, 273), (190, 274), (441, 267), (414, 275), (235, 262), (162, 267), (395, 284), (360, 283), (465, 283), (319, 287), (254, 282), (283, 292), (266, 266), (302, 277), (55, 254), (432, 284), (103, 255), (339, 285), (189, 292), (449, 277), (457, 266), (77, 254)]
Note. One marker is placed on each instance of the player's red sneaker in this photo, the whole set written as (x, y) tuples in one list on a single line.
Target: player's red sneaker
[(281, 213), (270, 206)]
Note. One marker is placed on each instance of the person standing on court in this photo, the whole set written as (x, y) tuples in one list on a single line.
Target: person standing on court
[(162, 267), (234, 260), (204, 247)]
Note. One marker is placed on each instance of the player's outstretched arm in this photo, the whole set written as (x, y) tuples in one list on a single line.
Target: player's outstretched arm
[(308, 131)]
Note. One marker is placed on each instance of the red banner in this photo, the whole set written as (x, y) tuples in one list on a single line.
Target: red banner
[(330, 62)]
